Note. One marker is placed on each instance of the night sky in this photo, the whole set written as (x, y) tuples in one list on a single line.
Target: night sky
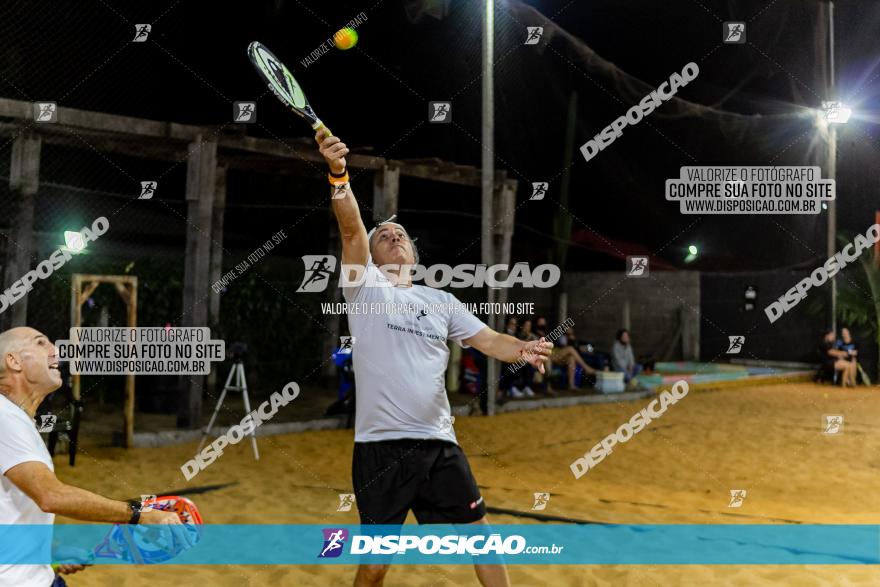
[(375, 96)]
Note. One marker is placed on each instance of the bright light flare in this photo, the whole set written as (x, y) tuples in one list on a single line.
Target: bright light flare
[(836, 112), (74, 241)]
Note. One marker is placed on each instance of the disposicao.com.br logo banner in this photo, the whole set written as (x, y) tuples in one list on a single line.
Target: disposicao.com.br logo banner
[(520, 544), (390, 542)]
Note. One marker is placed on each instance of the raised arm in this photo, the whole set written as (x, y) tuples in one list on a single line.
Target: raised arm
[(355, 247)]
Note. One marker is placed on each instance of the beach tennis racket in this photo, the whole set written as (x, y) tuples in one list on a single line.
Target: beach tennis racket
[(283, 84), (143, 544)]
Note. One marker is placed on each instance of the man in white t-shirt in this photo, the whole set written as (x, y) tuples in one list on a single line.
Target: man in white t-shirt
[(30, 493), (406, 456)]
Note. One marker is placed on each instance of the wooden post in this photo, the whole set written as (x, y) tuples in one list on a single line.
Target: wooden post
[(75, 321), (216, 269), (129, 380), (562, 310), (201, 178), (505, 207), (128, 292), (386, 189), (24, 180), (126, 286), (77, 299)]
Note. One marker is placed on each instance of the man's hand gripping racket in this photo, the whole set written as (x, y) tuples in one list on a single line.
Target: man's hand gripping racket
[(333, 150)]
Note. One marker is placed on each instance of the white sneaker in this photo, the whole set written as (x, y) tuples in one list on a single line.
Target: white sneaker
[(515, 392), (528, 391)]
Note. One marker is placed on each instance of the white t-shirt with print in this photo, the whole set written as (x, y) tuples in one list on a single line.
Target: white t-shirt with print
[(20, 442), (400, 359)]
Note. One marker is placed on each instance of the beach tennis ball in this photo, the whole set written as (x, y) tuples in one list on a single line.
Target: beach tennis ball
[(345, 38)]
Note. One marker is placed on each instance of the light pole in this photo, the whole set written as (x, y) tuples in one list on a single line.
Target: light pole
[(834, 112), (832, 217), (831, 161), (488, 178)]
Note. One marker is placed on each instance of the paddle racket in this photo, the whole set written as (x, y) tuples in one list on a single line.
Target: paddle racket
[(283, 84), (142, 544)]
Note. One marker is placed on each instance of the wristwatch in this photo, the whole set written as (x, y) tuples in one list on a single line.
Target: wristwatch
[(136, 508)]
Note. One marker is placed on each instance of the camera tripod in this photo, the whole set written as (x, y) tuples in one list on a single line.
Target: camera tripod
[(236, 373)]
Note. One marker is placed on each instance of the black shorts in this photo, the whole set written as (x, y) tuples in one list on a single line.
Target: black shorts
[(430, 477)]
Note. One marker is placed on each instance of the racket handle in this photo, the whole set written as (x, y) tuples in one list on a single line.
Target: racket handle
[(318, 126)]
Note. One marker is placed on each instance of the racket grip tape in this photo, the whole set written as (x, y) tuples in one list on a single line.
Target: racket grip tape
[(318, 126)]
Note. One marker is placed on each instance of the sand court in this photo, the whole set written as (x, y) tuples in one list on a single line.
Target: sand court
[(767, 440)]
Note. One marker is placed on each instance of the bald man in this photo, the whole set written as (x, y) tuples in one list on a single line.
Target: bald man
[(30, 493)]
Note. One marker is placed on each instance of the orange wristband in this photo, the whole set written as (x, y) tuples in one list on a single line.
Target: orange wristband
[(337, 180)]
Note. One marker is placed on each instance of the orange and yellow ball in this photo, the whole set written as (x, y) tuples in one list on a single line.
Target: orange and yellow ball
[(345, 38)]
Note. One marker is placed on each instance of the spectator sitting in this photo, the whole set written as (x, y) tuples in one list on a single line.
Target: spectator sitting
[(595, 359), (540, 326), (567, 339), (850, 356), (525, 374), (508, 380), (544, 380), (511, 327), (825, 352), (562, 354), (473, 365), (831, 359), (525, 330), (622, 357), (567, 355)]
